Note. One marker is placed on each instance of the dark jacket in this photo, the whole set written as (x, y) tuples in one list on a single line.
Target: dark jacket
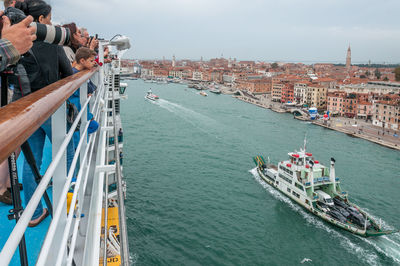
[(46, 64)]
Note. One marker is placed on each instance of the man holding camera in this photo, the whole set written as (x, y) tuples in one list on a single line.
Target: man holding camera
[(15, 40)]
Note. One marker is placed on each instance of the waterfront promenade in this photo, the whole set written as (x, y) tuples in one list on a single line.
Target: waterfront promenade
[(352, 127)]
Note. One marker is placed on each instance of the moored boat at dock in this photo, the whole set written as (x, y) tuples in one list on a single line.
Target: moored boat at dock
[(316, 188), (214, 90)]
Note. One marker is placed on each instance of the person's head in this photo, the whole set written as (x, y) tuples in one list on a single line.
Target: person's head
[(85, 58), (75, 35), (83, 39), (38, 9), (84, 36), (8, 3)]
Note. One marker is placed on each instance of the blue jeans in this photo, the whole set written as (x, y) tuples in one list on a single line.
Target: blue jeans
[(36, 141)]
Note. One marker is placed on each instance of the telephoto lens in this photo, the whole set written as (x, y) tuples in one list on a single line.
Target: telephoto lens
[(52, 34), (45, 33)]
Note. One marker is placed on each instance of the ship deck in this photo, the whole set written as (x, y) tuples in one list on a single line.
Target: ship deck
[(34, 236)]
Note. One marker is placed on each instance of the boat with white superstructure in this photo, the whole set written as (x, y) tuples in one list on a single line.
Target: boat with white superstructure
[(316, 188), (151, 96)]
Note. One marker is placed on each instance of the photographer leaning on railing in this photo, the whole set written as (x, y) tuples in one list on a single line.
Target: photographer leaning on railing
[(15, 40), (44, 64)]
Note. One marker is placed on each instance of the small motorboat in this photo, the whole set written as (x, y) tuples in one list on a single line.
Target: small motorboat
[(151, 96), (203, 93)]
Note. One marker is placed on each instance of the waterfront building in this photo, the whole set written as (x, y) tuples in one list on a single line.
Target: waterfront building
[(216, 76), (300, 92), (350, 105), (364, 110), (197, 75), (386, 113), (316, 96), (160, 72), (287, 94), (228, 78), (336, 102), (277, 91), (176, 73), (147, 73), (256, 86)]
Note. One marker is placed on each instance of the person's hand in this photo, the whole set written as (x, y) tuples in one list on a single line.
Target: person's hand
[(93, 43), (20, 34)]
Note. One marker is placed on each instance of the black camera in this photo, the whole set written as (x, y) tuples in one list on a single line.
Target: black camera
[(45, 33)]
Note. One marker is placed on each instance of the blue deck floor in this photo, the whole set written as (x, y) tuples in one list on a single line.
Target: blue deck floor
[(34, 236)]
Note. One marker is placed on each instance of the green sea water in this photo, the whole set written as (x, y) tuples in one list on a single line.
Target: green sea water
[(193, 197)]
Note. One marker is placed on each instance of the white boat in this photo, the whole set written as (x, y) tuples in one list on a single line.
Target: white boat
[(316, 188), (151, 96), (203, 93), (216, 91)]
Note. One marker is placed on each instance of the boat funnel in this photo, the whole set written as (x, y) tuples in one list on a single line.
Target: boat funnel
[(312, 176), (332, 176)]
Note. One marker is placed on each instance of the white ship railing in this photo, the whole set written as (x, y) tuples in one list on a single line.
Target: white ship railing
[(60, 242), (56, 169)]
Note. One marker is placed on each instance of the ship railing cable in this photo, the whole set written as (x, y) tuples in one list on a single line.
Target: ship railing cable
[(35, 109), (121, 205)]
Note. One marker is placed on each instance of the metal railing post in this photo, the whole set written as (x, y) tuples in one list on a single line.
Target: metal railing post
[(83, 98), (58, 131)]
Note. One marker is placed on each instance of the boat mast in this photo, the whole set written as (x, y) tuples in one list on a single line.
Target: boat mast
[(312, 176)]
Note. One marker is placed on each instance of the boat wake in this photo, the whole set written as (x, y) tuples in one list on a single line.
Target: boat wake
[(386, 245), (200, 121)]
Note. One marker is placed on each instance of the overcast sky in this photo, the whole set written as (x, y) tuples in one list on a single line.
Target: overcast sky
[(280, 30)]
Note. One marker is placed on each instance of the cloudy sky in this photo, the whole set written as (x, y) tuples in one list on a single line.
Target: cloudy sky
[(268, 30)]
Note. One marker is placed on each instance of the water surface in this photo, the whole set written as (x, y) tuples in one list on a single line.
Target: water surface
[(195, 199)]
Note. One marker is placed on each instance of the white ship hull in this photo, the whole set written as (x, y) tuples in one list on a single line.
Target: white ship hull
[(301, 201)]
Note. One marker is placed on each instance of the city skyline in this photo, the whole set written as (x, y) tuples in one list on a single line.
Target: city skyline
[(285, 31)]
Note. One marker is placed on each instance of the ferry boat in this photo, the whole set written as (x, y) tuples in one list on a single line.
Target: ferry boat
[(87, 224), (151, 96), (316, 188)]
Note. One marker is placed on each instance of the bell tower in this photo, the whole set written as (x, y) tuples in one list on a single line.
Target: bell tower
[(348, 59)]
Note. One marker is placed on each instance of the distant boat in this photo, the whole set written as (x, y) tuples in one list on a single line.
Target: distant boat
[(202, 93), (151, 96), (216, 91)]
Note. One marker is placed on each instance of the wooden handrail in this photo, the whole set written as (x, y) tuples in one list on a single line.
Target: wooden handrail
[(20, 119)]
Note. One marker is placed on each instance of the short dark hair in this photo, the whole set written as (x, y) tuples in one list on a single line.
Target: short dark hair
[(84, 53), (35, 8), (8, 3)]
